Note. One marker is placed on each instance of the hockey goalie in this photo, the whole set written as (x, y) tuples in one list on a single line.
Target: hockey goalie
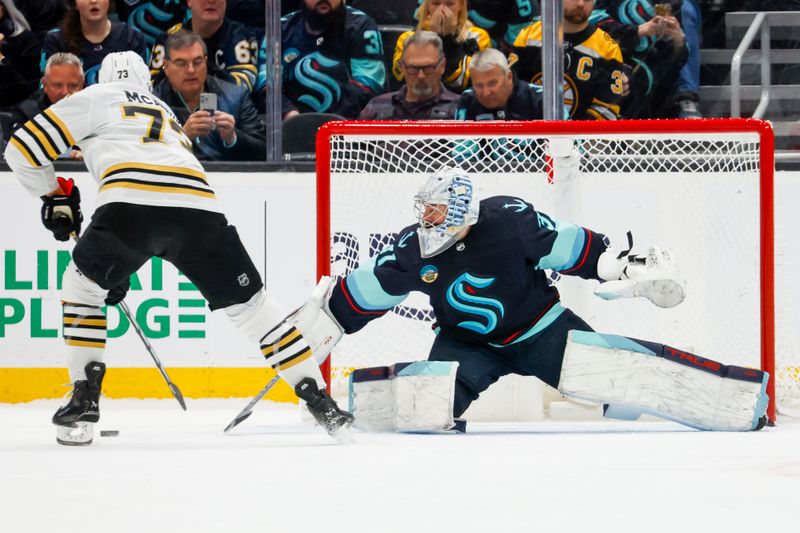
[(483, 266)]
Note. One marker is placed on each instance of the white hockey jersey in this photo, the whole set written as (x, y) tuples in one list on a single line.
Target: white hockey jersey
[(132, 144)]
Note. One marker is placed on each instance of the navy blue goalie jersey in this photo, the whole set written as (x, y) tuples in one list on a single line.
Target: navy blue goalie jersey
[(491, 287)]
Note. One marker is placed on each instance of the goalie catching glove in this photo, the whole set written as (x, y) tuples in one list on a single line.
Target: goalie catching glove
[(652, 276), (61, 213)]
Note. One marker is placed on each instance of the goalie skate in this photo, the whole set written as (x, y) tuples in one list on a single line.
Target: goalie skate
[(335, 421)]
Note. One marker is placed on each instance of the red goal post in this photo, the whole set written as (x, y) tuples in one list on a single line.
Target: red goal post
[(367, 172)]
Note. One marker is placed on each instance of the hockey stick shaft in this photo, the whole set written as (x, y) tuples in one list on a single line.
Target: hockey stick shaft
[(176, 392), (248, 410)]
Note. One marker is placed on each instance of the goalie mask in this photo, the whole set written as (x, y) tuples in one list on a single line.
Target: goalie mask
[(125, 67), (445, 207)]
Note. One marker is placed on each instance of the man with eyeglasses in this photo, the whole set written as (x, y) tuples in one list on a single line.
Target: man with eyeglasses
[(232, 46), (232, 131), (423, 97)]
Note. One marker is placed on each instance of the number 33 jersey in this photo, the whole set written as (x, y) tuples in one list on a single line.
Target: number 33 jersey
[(131, 142)]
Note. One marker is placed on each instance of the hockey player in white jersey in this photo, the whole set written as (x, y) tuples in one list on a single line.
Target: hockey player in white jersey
[(153, 200)]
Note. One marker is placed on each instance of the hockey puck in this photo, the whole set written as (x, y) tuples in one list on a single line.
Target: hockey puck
[(109, 433)]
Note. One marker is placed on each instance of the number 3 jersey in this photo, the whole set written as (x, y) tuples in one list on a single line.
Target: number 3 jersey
[(593, 70), (338, 71), (132, 145), (490, 287)]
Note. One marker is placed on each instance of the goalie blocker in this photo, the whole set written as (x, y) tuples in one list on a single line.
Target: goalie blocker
[(633, 377)]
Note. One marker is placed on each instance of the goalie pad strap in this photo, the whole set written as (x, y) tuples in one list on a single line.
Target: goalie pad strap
[(663, 381), (414, 396)]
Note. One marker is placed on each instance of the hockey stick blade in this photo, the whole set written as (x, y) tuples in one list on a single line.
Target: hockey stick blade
[(177, 393), (248, 410)]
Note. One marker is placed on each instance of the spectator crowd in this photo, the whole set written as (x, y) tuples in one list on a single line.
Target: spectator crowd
[(463, 60)]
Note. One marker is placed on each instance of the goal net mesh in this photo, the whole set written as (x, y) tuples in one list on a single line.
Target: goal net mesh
[(696, 194)]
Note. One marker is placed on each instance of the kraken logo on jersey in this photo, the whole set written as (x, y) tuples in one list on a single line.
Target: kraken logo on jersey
[(461, 295), (307, 72), (636, 13), (150, 20)]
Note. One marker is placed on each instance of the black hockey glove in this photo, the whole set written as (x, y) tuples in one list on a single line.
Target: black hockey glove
[(118, 293), (61, 213)]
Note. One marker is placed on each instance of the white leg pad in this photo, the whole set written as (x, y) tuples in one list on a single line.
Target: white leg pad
[(633, 375), (412, 397)]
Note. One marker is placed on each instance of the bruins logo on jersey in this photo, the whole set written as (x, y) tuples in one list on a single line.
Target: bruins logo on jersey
[(571, 94)]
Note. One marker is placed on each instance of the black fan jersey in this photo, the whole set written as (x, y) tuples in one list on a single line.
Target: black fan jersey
[(491, 287), (232, 53), (336, 71), (152, 17), (593, 70), (121, 38)]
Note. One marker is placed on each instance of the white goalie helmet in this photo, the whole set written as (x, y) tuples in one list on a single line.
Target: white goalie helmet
[(125, 67), (450, 194)]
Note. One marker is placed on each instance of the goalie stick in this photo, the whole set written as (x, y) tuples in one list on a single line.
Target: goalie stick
[(248, 410), (176, 392)]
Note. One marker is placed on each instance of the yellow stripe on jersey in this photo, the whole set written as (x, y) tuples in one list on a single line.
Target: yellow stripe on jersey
[(43, 138), (302, 356), (77, 321), (242, 79), (25, 152), (532, 33), (145, 167), (156, 188), (249, 67), (62, 128), (599, 41), (604, 44), (269, 349), (86, 344)]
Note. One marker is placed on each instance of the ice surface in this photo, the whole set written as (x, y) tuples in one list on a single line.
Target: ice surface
[(174, 471)]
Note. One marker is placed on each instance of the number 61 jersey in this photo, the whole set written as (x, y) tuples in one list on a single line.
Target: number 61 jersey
[(132, 144)]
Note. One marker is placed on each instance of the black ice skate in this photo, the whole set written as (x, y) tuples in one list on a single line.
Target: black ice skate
[(324, 409), (75, 419)]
